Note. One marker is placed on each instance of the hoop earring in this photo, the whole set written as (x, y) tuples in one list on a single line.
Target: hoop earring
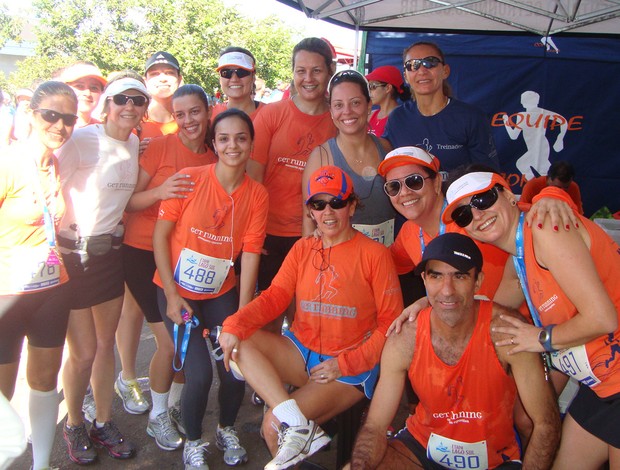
[(513, 202)]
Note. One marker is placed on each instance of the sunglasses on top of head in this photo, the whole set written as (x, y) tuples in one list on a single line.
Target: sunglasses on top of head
[(53, 117), (429, 62), (463, 215), (122, 100), (334, 203), (228, 73), (414, 181)]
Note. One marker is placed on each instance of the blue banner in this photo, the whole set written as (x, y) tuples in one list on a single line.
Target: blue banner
[(547, 99)]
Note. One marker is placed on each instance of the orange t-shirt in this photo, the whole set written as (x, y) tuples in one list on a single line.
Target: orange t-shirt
[(24, 247), (470, 401), (407, 253), (599, 364), (285, 136), (221, 107), (346, 298), (213, 223), (164, 156), (150, 129), (536, 185)]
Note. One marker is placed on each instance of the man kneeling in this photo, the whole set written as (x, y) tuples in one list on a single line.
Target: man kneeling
[(466, 384)]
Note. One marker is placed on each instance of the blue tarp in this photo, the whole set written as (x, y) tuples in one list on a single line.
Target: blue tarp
[(576, 81)]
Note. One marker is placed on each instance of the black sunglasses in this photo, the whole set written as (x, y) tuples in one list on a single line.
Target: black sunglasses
[(463, 215), (347, 75), (53, 117), (122, 100), (334, 203), (415, 182), (428, 62), (228, 73), (374, 86)]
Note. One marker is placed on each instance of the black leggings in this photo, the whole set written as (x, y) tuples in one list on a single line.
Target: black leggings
[(198, 367)]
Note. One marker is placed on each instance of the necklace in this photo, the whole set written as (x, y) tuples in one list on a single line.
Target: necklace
[(436, 112)]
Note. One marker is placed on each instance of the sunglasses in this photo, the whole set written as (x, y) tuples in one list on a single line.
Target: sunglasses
[(347, 76), (428, 62), (334, 203), (122, 100), (53, 117), (374, 86), (228, 73), (463, 215), (415, 182)]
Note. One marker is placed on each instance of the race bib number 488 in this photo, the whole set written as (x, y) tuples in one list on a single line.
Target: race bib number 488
[(200, 273)]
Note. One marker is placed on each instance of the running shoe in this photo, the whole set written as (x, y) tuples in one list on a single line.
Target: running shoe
[(79, 445), (88, 407), (195, 455), (227, 441), (131, 394), (296, 443), (111, 438), (177, 418), (164, 432)]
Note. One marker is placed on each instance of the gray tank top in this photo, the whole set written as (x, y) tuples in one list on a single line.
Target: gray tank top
[(377, 207)]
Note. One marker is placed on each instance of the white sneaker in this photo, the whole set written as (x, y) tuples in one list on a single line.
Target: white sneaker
[(195, 455), (226, 440), (131, 394), (88, 407), (296, 443), (164, 432), (177, 419)]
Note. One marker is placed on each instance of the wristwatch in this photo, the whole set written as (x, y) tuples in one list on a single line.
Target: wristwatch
[(544, 338)]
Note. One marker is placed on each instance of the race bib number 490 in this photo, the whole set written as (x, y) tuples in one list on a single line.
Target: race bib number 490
[(450, 453), (200, 273)]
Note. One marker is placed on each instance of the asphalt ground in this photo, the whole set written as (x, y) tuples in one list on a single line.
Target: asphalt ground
[(149, 456)]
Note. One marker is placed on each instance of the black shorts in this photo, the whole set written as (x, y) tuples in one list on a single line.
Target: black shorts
[(41, 317), (139, 267), (598, 416), (419, 451), (277, 248), (94, 279)]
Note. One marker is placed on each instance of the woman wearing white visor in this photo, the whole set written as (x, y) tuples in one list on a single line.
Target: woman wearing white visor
[(98, 171), (237, 69)]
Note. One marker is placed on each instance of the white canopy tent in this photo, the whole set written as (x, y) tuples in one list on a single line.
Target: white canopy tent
[(540, 17)]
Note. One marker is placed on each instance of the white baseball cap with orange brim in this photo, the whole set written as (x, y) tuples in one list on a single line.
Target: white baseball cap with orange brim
[(470, 185), (402, 156)]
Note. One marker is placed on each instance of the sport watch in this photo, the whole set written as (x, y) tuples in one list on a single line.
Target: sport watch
[(544, 338)]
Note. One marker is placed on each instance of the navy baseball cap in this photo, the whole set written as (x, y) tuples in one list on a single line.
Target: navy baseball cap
[(458, 250), (162, 57)]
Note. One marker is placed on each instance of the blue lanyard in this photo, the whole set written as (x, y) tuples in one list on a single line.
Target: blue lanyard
[(189, 324), (519, 262), (442, 228), (48, 223)]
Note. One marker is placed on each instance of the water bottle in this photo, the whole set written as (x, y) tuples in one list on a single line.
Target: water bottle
[(213, 336)]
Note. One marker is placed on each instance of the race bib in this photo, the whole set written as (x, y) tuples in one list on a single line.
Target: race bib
[(34, 269), (200, 273), (574, 363), (450, 453), (382, 233)]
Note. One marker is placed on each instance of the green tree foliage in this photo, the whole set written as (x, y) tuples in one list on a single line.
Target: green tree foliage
[(121, 34), (9, 26)]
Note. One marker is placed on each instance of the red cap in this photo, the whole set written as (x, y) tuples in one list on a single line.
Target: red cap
[(387, 74), (330, 180)]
